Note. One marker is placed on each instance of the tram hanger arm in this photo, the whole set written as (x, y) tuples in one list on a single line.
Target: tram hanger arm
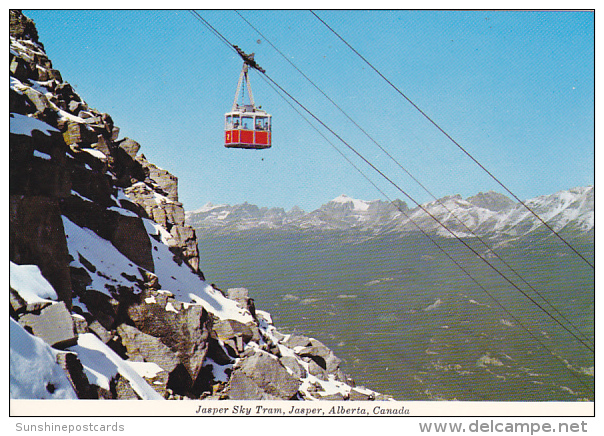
[(249, 59)]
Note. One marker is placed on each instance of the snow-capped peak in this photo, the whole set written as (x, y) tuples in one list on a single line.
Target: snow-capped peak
[(357, 205)]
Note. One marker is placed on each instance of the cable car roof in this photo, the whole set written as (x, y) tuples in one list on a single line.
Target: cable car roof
[(248, 110)]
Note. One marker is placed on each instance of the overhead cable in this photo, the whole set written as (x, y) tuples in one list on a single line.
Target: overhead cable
[(452, 213), (457, 143)]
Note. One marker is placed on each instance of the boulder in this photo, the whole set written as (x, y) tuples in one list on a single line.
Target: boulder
[(355, 395), (146, 347), (105, 147), (127, 169), (78, 133), (292, 364), (53, 324), (322, 355), (80, 324), (129, 146), (295, 340), (243, 387), (331, 397), (218, 352), (17, 304), (19, 68), (100, 307), (316, 370), (175, 214), (267, 374), (75, 107), (101, 332), (236, 334), (186, 330), (240, 295), (166, 182), (124, 390), (38, 99)]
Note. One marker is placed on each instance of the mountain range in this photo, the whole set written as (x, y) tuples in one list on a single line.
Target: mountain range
[(486, 214)]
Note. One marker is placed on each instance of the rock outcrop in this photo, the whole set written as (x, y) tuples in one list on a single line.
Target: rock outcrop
[(105, 280)]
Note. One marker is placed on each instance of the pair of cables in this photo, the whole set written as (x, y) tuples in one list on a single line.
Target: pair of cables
[(577, 334)]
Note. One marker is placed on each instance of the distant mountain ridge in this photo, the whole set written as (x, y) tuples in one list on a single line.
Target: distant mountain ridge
[(484, 214)]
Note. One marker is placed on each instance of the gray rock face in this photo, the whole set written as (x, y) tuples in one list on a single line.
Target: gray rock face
[(316, 370), (259, 376), (186, 332), (167, 182), (297, 341), (148, 348), (240, 295), (242, 387), (322, 355), (22, 27), (37, 237), (491, 201), (171, 215), (292, 364), (130, 147), (129, 236), (54, 325), (124, 390)]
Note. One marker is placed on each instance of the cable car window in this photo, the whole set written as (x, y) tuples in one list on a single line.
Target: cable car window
[(235, 121), (247, 123), (261, 123), (229, 122)]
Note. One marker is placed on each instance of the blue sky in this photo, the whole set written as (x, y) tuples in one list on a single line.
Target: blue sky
[(515, 89)]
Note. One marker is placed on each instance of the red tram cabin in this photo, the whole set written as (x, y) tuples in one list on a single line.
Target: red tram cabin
[(247, 126)]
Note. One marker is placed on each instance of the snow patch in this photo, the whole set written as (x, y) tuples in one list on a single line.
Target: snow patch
[(34, 372), (187, 286), (96, 153), (24, 125), (41, 155), (123, 211), (108, 261), (170, 307), (30, 284), (102, 364), (145, 369), (434, 305)]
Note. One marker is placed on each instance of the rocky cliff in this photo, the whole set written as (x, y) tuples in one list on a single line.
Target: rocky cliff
[(106, 296)]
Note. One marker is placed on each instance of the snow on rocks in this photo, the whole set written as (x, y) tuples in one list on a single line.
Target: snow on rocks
[(187, 286), (353, 203), (30, 284), (34, 372), (102, 364), (108, 267), (313, 364), (24, 125)]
